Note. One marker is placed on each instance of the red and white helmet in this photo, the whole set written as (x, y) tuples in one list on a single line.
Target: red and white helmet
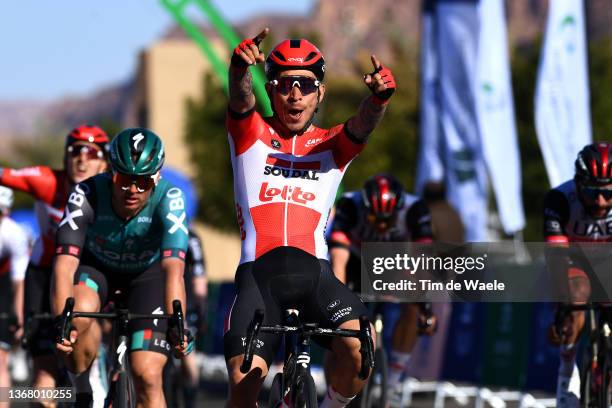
[(295, 54), (88, 133)]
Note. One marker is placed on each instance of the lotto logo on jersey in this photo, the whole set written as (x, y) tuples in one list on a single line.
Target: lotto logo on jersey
[(287, 193)]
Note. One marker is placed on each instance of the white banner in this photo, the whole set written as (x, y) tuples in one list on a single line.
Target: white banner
[(430, 167), (457, 28), (562, 113), (495, 110)]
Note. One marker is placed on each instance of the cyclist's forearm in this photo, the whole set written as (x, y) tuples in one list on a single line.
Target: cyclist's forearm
[(64, 268), (241, 94), (175, 283), (339, 260), (366, 119), (18, 300)]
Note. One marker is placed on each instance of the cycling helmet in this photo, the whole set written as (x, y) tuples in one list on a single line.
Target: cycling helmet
[(137, 151), (88, 133), (6, 198), (383, 195), (594, 164), (295, 54)]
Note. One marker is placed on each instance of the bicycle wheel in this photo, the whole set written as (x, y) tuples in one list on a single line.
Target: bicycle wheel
[(586, 386), (125, 393), (604, 391), (306, 392), (374, 393), (276, 391)]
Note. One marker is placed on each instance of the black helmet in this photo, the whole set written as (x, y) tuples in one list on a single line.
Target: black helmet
[(383, 196), (594, 164)]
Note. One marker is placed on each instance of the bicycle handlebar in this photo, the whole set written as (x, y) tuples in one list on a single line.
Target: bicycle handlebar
[(364, 334), (68, 314)]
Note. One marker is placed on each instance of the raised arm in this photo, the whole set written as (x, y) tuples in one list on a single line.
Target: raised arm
[(372, 108), (247, 53)]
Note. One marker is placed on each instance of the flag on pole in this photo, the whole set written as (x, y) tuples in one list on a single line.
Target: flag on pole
[(457, 25), (495, 110), (430, 166), (562, 113)]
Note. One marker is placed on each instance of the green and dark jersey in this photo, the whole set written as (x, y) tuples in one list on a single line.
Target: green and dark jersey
[(90, 225)]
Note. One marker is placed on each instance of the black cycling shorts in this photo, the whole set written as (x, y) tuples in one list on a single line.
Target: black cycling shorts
[(37, 288), (144, 293), (287, 278)]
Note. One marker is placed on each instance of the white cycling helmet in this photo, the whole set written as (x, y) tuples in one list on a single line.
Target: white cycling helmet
[(6, 198)]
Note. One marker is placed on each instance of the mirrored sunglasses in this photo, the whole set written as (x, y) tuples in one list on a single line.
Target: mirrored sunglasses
[(142, 183), (90, 152), (285, 84)]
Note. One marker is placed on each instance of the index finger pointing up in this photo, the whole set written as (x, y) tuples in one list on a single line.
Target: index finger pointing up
[(375, 62), (259, 37)]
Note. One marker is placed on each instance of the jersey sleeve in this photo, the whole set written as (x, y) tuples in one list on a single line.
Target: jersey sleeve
[(345, 219), (195, 255), (173, 218), (346, 147), (79, 213), (244, 129), (40, 181), (418, 222), (20, 253), (556, 216)]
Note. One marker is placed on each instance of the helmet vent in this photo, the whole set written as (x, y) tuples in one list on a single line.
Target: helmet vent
[(279, 55), (151, 156), (310, 56), (294, 43)]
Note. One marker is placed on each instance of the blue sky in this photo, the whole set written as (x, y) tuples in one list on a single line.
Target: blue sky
[(51, 49)]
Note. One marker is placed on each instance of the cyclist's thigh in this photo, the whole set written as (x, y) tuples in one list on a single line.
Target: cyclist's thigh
[(248, 299), (333, 304), (36, 292), (93, 278), (146, 295)]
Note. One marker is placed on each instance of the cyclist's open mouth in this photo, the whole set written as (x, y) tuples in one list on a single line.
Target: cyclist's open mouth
[(295, 114)]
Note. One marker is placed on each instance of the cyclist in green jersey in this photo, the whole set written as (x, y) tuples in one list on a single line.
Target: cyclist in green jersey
[(125, 231)]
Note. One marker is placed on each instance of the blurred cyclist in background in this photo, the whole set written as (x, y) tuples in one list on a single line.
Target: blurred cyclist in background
[(579, 210), (14, 256), (85, 154), (382, 212)]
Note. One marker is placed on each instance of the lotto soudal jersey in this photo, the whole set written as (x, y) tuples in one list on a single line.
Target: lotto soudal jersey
[(50, 189), (350, 226), (91, 226), (285, 185), (566, 219)]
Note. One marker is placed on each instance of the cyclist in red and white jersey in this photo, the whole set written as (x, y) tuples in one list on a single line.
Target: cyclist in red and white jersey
[(14, 255), (286, 174), (382, 212), (84, 156), (579, 210)]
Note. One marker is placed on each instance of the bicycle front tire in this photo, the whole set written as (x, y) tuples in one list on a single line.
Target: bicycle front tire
[(276, 391), (306, 392), (125, 395), (378, 377)]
